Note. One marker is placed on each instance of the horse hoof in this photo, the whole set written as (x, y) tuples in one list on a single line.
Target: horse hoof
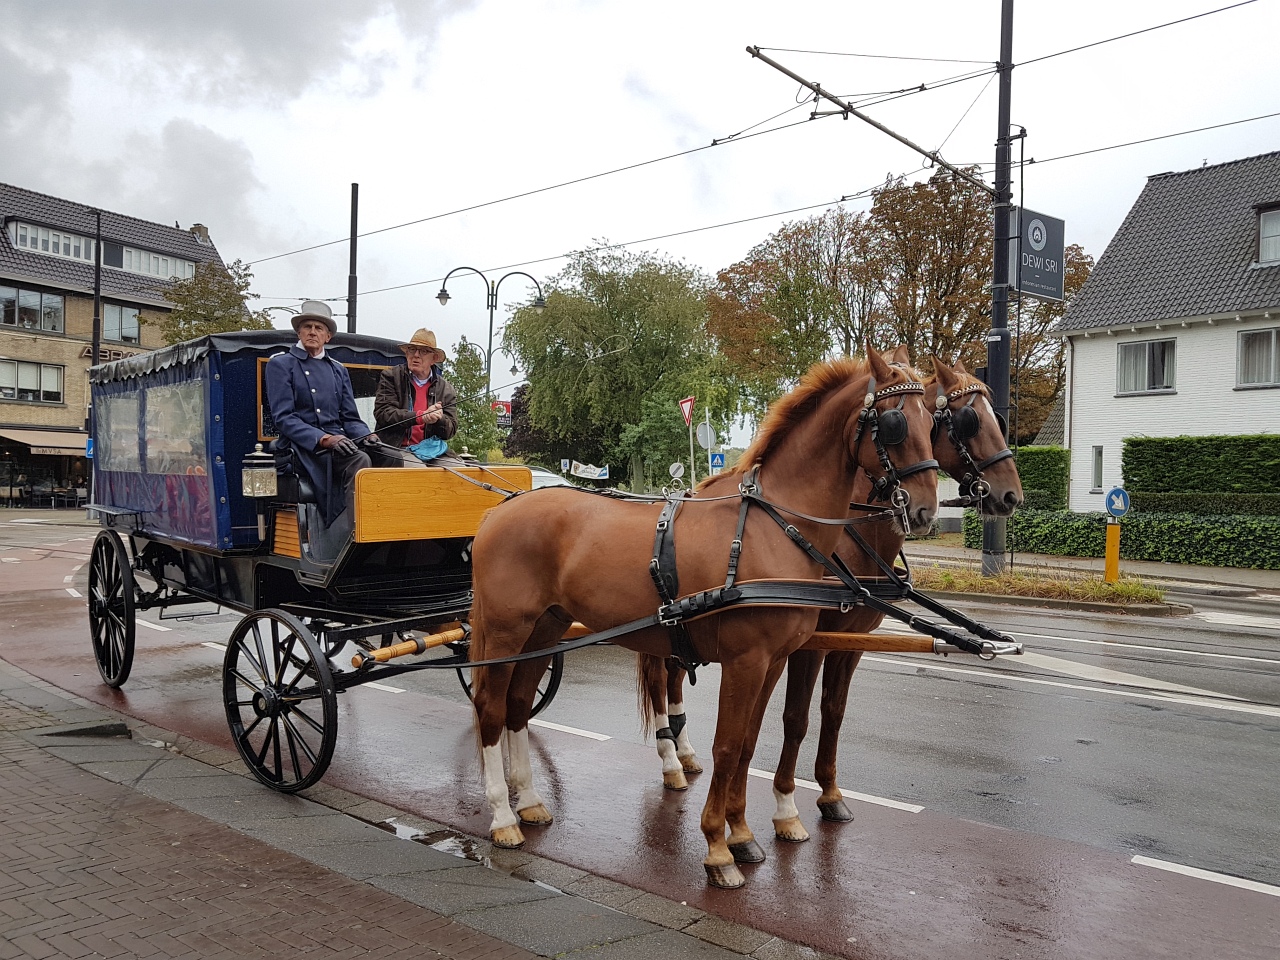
[(727, 877), (791, 830), (835, 812), (747, 852), (537, 815), (507, 837), (674, 780), (690, 764)]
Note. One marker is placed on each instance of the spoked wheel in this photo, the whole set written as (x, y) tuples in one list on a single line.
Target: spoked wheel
[(111, 616), (547, 686), (282, 705)]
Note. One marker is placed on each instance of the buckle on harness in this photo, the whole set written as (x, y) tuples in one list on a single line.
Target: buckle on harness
[(672, 618)]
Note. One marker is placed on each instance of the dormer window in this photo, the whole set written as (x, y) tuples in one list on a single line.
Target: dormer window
[(1269, 236), (51, 242)]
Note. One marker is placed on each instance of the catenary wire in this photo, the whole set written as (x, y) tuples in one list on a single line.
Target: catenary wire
[(872, 56), (1165, 136), (938, 148)]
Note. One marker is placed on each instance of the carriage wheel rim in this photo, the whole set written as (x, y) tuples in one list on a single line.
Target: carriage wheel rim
[(110, 607)]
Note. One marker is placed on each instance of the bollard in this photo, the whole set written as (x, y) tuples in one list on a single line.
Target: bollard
[(1111, 571)]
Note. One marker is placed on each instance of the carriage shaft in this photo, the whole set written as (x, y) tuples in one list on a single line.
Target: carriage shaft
[(867, 642), (407, 647)]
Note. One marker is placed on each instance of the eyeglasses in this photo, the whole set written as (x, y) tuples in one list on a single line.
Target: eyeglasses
[(418, 351)]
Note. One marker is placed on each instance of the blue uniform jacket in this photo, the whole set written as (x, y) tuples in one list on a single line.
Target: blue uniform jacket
[(309, 397)]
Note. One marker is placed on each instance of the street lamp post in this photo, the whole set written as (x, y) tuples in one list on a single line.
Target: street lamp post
[(491, 291)]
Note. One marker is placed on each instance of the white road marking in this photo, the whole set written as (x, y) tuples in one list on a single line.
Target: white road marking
[(574, 730), (1238, 619), (153, 626), (214, 646), (68, 578), (71, 590), (28, 521), (1085, 671), (1199, 874), (1257, 708), (1120, 646), (77, 566), (9, 560), (383, 687), (851, 794)]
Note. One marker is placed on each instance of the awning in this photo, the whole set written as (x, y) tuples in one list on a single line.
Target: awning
[(49, 442)]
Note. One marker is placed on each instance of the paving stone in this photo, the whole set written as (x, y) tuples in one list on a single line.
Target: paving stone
[(732, 935), (384, 858), (556, 926), (601, 890), (289, 832), (664, 912), (664, 943), (450, 892)]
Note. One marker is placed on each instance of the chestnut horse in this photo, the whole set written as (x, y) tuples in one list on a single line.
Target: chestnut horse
[(975, 452), (542, 561)]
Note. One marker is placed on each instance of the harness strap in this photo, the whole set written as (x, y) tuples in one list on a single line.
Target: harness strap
[(666, 579)]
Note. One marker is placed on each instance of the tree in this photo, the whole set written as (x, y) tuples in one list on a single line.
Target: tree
[(622, 338), (477, 421), (213, 300)]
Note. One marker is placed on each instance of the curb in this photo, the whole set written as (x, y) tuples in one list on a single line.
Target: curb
[(1087, 606)]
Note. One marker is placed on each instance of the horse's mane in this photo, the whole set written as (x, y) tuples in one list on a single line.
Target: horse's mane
[(791, 408)]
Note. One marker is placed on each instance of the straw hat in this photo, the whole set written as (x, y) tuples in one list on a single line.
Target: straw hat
[(424, 338), (315, 310)]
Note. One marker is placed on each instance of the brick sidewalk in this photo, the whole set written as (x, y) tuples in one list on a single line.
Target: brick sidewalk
[(93, 868)]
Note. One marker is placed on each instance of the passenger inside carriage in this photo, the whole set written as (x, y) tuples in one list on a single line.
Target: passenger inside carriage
[(314, 409), (416, 408)]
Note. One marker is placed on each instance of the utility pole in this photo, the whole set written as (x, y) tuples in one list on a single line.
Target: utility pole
[(994, 531), (351, 275), (97, 287)]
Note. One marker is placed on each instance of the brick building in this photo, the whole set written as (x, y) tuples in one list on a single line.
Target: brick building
[(47, 266)]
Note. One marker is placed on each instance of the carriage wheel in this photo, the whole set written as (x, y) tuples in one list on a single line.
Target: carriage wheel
[(547, 686), (282, 705), (111, 617)]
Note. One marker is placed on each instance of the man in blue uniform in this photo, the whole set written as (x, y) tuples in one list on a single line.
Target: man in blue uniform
[(314, 408)]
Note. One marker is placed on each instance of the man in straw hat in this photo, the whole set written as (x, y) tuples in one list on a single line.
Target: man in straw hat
[(415, 402), (314, 408)]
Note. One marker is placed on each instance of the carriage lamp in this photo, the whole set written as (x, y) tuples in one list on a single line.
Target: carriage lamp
[(258, 481)]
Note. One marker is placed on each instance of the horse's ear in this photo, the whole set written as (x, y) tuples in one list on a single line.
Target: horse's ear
[(900, 354), (947, 378), (880, 368), (960, 367)]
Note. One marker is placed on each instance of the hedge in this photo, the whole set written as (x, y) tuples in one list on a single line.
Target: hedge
[(1221, 541), (1047, 471), (1238, 464), (1203, 504)]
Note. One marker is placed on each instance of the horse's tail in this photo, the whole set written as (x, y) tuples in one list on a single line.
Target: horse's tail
[(651, 689)]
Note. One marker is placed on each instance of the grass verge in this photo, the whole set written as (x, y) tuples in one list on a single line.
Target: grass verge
[(1055, 585)]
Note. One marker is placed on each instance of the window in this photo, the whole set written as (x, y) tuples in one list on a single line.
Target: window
[(1146, 367), (54, 243), (156, 265), (1258, 363), (1269, 237), (31, 309), (119, 323), (1097, 469), (35, 382)]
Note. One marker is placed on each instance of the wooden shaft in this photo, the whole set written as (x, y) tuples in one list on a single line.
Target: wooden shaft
[(416, 645), (871, 642)]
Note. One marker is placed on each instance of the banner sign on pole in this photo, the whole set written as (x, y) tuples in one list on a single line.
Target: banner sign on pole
[(686, 407), (589, 471), (1036, 254)]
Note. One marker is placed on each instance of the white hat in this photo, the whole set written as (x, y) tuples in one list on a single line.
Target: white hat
[(315, 310)]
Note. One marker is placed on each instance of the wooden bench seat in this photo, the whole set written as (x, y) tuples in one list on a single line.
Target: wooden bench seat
[(403, 504)]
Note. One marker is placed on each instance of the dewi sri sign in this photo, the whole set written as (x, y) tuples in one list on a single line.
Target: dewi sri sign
[(1035, 263)]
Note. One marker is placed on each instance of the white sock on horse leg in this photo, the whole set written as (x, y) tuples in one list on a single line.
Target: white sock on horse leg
[(683, 747), (786, 805), (666, 748), (522, 770), (495, 787)]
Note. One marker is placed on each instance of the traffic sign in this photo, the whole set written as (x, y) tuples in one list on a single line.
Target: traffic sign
[(564, 466), (88, 449), (1117, 501), (676, 470), (706, 436), (686, 407), (717, 461)]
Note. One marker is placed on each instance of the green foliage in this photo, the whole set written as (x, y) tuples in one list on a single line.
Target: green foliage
[(1237, 464), (1208, 504), (1046, 472), (213, 300), (477, 422), (1222, 541)]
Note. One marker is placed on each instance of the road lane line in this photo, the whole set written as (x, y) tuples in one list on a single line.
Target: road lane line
[(71, 590), (1261, 709), (1238, 619), (1118, 646), (1199, 874), (382, 686), (535, 722), (851, 794), (153, 626), (1084, 671), (214, 646)]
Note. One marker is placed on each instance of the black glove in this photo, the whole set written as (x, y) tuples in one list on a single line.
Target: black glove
[(344, 447), (371, 440)]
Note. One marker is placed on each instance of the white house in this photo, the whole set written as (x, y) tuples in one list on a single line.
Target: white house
[(1177, 330)]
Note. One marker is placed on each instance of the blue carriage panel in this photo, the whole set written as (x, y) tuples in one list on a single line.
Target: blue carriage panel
[(174, 426)]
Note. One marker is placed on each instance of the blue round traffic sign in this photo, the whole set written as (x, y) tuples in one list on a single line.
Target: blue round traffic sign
[(1117, 501)]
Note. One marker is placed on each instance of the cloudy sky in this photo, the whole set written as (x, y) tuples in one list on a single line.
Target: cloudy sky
[(255, 116)]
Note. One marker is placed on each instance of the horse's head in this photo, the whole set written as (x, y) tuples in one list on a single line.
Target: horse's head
[(970, 440), (890, 439)]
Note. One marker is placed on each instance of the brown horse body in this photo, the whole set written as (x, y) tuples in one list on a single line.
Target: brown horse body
[(542, 561)]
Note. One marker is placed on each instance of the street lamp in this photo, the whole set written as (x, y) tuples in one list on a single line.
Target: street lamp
[(539, 303)]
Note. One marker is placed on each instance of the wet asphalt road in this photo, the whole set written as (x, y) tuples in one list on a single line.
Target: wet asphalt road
[(1045, 745)]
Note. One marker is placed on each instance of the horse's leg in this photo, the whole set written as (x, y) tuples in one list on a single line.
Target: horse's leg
[(742, 841), (676, 718), (489, 695), (837, 673), (741, 683), (529, 806), (654, 682), (802, 674)]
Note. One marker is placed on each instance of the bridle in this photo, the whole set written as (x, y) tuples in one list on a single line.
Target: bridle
[(961, 425), (888, 429)]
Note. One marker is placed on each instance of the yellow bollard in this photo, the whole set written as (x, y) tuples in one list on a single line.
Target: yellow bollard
[(1111, 572)]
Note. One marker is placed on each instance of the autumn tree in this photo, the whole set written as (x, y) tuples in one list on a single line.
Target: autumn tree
[(213, 300), (477, 421)]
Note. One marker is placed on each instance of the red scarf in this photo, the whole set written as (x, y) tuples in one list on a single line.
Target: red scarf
[(420, 403)]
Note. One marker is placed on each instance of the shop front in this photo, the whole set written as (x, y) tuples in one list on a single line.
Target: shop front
[(43, 468)]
